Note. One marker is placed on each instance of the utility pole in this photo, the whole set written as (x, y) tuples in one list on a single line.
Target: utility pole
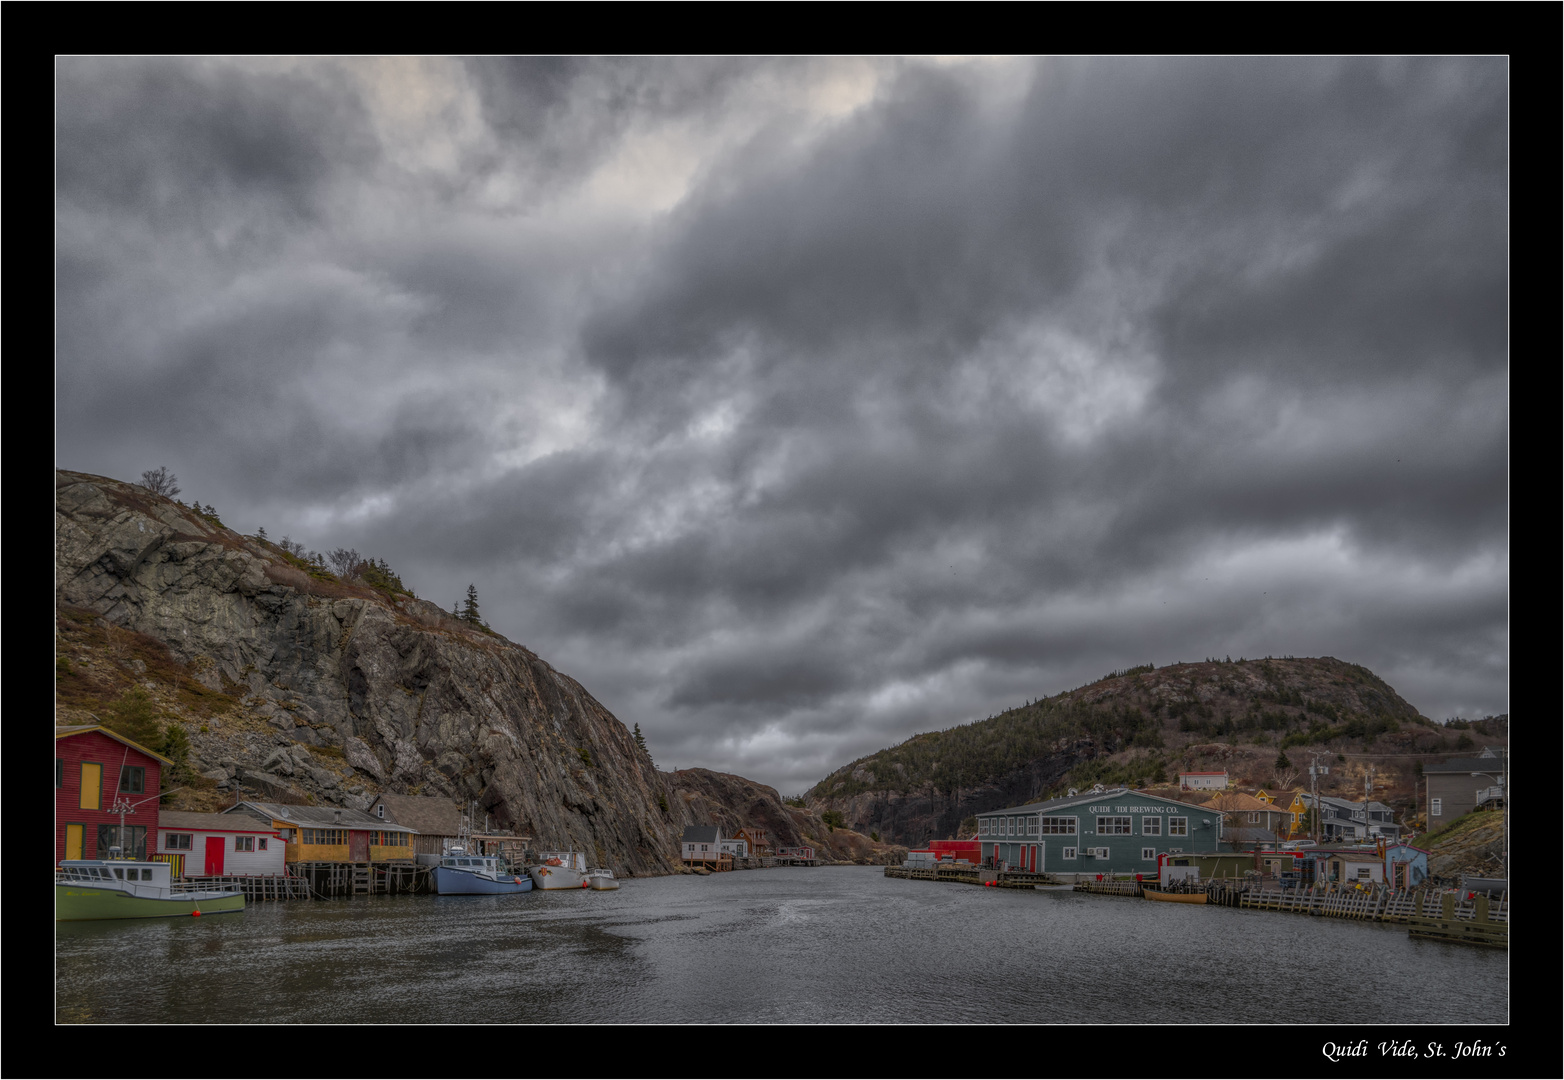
[(1314, 792)]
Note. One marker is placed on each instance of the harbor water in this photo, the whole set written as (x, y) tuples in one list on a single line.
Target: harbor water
[(786, 945)]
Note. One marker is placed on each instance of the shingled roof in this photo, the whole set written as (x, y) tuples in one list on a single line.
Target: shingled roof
[(422, 814)]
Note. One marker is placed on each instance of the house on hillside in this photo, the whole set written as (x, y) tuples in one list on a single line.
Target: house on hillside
[(331, 834), (97, 773), (219, 845), (1461, 785), (1117, 831), (1202, 781), (1250, 812), (1345, 821)]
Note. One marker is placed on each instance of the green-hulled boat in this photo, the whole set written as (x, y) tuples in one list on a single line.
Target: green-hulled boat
[(131, 889)]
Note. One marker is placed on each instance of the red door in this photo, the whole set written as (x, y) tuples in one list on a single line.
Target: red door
[(358, 846), (214, 856)]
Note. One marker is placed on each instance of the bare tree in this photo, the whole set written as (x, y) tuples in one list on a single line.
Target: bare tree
[(345, 562), (160, 481)]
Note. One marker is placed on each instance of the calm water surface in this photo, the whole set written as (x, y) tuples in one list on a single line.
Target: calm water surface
[(788, 945)]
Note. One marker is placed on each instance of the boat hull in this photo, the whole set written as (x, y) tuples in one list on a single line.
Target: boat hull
[(556, 877), (601, 883), (452, 881), (76, 902), (1174, 898)]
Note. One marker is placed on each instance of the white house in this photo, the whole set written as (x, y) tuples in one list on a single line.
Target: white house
[(218, 845), (1203, 781)]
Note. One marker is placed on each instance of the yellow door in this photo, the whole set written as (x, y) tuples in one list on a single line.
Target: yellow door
[(73, 841), (91, 786)]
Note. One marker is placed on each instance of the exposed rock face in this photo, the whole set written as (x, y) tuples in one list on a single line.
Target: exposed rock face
[(344, 691)]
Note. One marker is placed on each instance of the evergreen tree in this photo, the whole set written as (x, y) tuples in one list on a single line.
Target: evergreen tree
[(470, 606), (640, 740)]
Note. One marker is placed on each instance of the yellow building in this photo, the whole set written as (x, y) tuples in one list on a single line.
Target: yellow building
[(332, 834)]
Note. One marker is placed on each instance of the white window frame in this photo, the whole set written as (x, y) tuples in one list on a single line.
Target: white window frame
[(244, 843), (1101, 853), (1151, 826), (1178, 826), (1061, 826), (179, 841), (1148, 854), (1436, 807), (1115, 825), (1069, 854)]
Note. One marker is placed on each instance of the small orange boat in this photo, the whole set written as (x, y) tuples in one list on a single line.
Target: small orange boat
[(1174, 898)]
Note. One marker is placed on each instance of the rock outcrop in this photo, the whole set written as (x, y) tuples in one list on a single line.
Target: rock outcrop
[(335, 691)]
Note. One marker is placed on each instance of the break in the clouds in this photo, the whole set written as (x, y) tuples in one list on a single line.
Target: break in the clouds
[(796, 406)]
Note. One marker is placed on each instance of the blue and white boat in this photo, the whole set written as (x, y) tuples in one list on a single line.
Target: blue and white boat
[(463, 873)]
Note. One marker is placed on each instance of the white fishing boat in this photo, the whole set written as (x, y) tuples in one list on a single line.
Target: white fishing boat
[(115, 888), (601, 878), (559, 870)]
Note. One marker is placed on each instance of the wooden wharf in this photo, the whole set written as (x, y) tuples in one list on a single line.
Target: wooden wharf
[(1109, 888), (255, 887), (967, 874), (326, 880)]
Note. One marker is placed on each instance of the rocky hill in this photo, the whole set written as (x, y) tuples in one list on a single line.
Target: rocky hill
[(1257, 719), (269, 677)]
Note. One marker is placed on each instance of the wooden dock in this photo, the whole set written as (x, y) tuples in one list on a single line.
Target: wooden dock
[(326, 880), (967, 874)]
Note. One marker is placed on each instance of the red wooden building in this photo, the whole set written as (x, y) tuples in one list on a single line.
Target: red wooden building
[(96, 771)]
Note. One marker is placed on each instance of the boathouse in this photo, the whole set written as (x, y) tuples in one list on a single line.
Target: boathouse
[(756, 838), (218, 845), (327, 834), (701, 846), (432, 822), (96, 774), (1117, 831)]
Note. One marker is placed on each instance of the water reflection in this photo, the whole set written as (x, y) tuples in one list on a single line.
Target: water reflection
[(821, 945)]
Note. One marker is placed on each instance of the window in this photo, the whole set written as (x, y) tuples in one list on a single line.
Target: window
[(380, 811), (1254, 817), (1435, 807), (1059, 826), (135, 840), (1101, 853), (1031, 826), (325, 836), (177, 841), (1151, 826), (263, 843), (1113, 826), (132, 780), (1069, 853), (1148, 853), (1178, 826), (244, 843)]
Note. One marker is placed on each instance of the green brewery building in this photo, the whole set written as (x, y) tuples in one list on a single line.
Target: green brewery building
[(1114, 831)]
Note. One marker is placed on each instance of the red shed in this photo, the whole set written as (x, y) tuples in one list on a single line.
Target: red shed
[(956, 849), (96, 770)]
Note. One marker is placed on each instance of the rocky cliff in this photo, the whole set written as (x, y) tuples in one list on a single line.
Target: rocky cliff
[(293, 684)]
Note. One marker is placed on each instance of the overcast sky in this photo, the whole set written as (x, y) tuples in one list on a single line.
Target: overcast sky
[(798, 406)]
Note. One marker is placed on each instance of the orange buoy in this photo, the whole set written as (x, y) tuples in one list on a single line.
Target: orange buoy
[(196, 914)]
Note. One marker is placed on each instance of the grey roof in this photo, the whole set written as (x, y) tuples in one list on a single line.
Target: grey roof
[(314, 817), (421, 814), (185, 819), (1468, 765), (701, 834), (1088, 797)]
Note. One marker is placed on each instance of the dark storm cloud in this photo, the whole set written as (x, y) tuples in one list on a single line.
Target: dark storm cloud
[(189, 143), (794, 406)]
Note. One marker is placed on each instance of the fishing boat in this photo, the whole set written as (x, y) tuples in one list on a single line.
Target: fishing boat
[(559, 870), (462, 873), (1174, 898), (115, 888), (601, 878)]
